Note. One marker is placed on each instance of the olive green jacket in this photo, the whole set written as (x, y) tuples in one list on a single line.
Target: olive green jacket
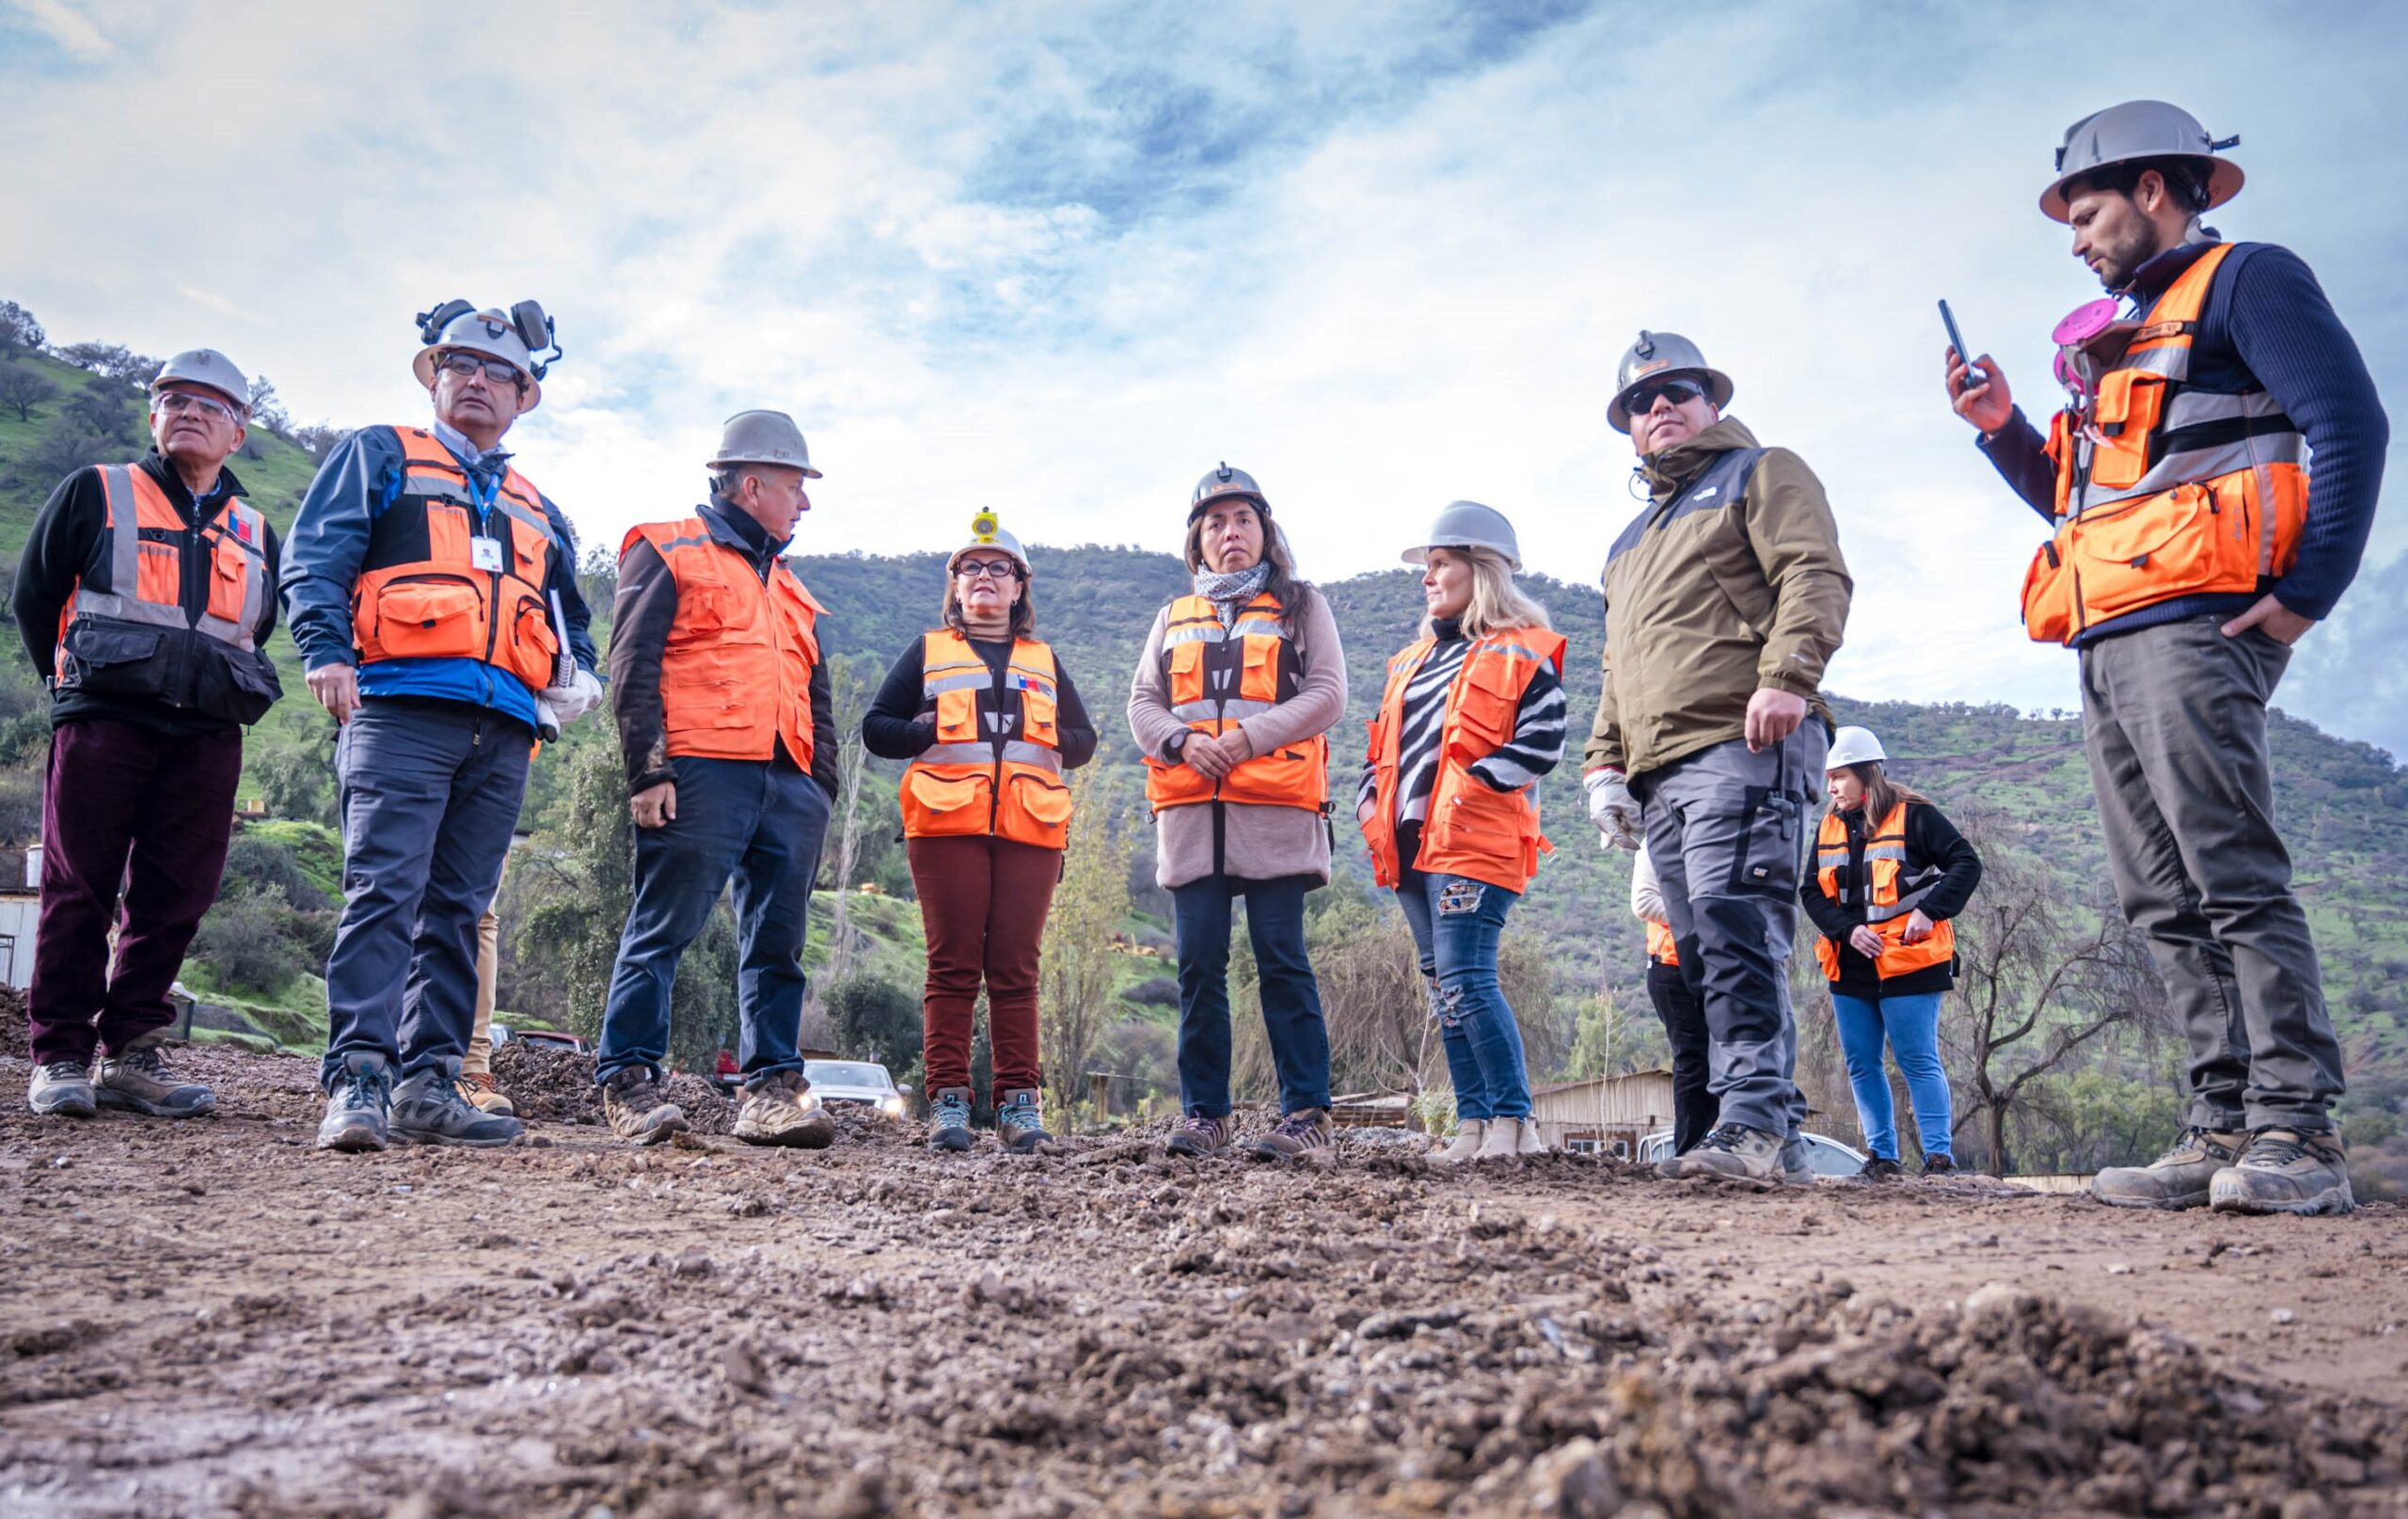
[(1712, 594)]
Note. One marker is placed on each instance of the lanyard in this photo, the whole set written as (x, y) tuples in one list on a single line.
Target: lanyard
[(483, 496)]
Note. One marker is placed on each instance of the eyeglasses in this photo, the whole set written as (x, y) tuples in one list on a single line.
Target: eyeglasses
[(499, 371), (175, 403), (987, 569), (1642, 400)]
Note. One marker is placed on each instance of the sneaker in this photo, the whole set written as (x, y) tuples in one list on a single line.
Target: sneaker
[(2181, 1178), (1019, 1121), (637, 1108), (1502, 1141), (782, 1109), (137, 1077), (60, 1086), (949, 1119), (357, 1108), (1466, 1145), (481, 1091), (1939, 1166), (1199, 1134), (2287, 1171), (428, 1109), (1882, 1168), (1305, 1129), (1734, 1153)]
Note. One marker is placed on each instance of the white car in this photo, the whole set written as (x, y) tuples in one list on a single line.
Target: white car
[(865, 1082), (1829, 1157)]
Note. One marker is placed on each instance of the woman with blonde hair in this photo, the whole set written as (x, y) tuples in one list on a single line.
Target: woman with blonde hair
[(1472, 717)]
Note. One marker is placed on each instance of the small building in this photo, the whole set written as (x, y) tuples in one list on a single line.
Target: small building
[(1374, 1110), (1607, 1114)]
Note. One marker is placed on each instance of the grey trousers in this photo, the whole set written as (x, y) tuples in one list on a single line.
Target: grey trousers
[(1727, 832), (2175, 721)]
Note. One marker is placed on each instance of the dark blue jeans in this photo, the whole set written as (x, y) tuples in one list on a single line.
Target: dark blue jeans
[(1456, 923), (763, 825), (430, 793), (1275, 921)]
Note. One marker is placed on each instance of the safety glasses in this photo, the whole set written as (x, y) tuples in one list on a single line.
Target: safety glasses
[(1642, 400), (179, 403), (499, 371)]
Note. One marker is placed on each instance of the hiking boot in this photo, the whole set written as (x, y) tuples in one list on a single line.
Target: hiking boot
[(357, 1109), (1501, 1141), (1019, 1121), (782, 1109), (637, 1108), (1881, 1168), (1734, 1153), (2287, 1171), (1939, 1166), (137, 1077), (60, 1086), (1797, 1163), (482, 1092), (2178, 1179), (949, 1119), (1199, 1134), (1303, 1130), (1468, 1133), (428, 1109)]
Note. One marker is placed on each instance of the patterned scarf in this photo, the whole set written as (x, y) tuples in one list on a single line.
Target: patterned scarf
[(1227, 592)]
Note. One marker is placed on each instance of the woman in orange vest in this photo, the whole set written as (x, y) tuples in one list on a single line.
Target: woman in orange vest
[(1472, 716), (1890, 872), (990, 721)]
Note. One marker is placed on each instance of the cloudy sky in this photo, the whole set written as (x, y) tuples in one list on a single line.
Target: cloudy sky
[(1059, 259)]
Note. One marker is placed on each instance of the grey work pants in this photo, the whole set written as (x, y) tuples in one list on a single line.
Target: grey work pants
[(1726, 829), (2175, 721)]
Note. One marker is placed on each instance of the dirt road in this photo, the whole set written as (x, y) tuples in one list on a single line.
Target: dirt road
[(212, 1317)]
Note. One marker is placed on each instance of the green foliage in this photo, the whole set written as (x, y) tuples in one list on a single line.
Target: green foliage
[(873, 1018), (575, 908), (1079, 995), (250, 941)]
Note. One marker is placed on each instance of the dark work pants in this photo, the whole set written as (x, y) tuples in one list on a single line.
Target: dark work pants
[(124, 804), (2175, 721), (983, 901), (1694, 1108), (430, 794), (1275, 921)]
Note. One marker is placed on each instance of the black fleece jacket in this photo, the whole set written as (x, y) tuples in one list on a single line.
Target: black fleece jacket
[(1931, 839)]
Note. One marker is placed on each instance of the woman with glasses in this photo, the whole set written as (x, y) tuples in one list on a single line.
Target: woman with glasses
[(989, 720)]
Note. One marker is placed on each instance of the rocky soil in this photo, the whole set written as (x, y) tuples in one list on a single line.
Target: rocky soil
[(213, 1317)]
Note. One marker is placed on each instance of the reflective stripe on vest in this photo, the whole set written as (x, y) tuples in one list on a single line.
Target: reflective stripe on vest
[(1216, 677), (2168, 490), (736, 670), (972, 780), (1471, 830), (237, 582), (1891, 899)]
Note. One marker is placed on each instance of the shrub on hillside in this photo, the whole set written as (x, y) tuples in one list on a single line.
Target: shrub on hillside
[(268, 866), (65, 446), (875, 1019), (1154, 991), (248, 941)]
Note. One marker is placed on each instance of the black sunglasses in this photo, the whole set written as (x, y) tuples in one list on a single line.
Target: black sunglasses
[(1642, 400)]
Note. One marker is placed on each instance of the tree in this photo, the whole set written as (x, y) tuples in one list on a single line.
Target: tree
[(66, 446), (317, 440), (1612, 1037), (99, 409), (20, 334), (266, 410), (1373, 1001), (113, 361), (850, 695), (23, 387), (875, 1019), (1076, 993)]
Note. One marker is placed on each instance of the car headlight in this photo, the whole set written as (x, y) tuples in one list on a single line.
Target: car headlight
[(892, 1105)]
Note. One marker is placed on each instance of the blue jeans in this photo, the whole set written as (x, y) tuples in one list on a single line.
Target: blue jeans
[(1456, 923), (429, 793), (762, 823), (1275, 921), (1913, 1024)]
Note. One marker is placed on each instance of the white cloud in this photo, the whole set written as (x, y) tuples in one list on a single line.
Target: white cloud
[(69, 28)]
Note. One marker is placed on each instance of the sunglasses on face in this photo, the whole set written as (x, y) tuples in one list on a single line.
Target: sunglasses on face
[(496, 371), (987, 569), (1642, 400), (176, 403)]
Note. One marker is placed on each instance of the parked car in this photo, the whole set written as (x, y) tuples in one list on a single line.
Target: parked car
[(1828, 1156), (547, 1037), (864, 1081)]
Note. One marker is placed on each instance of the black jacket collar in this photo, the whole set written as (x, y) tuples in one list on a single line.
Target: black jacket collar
[(160, 469), (736, 529)]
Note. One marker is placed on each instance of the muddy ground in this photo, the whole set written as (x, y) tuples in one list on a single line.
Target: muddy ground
[(213, 1317)]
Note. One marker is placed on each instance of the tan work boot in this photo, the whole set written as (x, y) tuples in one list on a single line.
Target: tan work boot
[(137, 1077), (61, 1088), (637, 1109), (485, 1095), (2175, 1179), (782, 1109), (1734, 1153), (1468, 1133), (1501, 1141), (1529, 1141), (2286, 1171)]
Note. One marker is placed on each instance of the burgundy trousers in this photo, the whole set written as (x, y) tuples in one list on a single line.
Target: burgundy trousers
[(124, 804), (983, 901)]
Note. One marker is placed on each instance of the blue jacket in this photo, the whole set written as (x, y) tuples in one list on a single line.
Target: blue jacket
[(360, 479)]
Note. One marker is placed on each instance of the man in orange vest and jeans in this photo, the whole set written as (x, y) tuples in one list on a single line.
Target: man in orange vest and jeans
[(728, 732), (2191, 551)]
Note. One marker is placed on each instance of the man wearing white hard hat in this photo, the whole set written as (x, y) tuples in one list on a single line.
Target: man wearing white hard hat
[(1725, 599), (143, 595), (2190, 547), (433, 593)]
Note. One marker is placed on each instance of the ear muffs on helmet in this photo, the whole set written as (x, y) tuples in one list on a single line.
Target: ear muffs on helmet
[(431, 323), (535, 330)]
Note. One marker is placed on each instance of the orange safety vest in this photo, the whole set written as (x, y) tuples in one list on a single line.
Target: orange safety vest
[(1893, 899), (1218, 675), (1471, 830), (120, 628), (426, 591), (1007, 780), (1660, 947), (735, 673), (2175, 491)]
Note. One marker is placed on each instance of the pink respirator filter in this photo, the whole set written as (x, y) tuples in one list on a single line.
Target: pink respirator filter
[(2077, 369)]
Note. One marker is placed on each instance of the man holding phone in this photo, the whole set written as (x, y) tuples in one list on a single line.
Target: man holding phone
[(2191, 551)]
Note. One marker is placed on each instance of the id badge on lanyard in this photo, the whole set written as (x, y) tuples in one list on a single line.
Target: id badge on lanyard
[(485, 551)]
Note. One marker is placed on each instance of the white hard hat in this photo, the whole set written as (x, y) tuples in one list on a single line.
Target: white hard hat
[(512, 336), (2140, 130), (1854, 745), (1469, 525), (210, 368), (987, 531), (762, 438)]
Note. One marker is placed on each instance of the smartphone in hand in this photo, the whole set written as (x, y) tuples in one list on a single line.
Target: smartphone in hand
[(1972, 377)]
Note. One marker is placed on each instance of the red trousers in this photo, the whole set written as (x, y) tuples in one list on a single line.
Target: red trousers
[(983, 901)]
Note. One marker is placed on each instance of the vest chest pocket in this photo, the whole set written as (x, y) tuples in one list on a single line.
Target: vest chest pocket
[(228, 584), (1259, 680), (1035, 807), (2129, 404), (1186, 662), (429, 618), (711, 610), (2176, 543), (940, 806), (1485, 708), (1038, 716)]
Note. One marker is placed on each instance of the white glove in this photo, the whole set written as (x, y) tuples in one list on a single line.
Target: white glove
[(548, 725), (565, 704), (1612, 808)]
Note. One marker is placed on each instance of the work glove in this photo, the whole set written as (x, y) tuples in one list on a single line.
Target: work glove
[(1612, 808), (557, 706)]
